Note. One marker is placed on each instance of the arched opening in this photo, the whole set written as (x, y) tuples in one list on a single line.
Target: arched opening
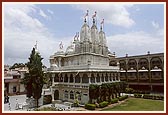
[(61, 78), (65, 78), (56, 95), (106, 77), (78, 95), (132, 64), (98, 78), (66, 95), (71, 95), (85, 78), (143, 64), (102, 78), (77, 79), (56, 78), (71, 78), (92, 78)]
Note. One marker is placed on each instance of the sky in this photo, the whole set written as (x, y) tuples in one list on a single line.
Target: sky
[(132, 29)]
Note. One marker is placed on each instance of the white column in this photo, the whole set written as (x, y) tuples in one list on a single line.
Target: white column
[(100, 78), (53, 94), (115, 76), (95, 79), (68, 78), (63, 78), (89, 76), (108, 77), (104, 78), (118, 76), (112, 77), (53, 75), (73, 79)]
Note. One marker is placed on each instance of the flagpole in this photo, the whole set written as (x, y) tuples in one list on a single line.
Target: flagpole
[(88, 19)]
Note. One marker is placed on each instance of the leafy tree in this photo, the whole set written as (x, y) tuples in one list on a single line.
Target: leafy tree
[(34, 80), (17, 65)]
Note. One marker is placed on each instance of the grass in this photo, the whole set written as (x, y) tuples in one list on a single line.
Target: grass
[(138, 104)]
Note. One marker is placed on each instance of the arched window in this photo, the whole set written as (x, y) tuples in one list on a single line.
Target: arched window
[(98, 78), (71, 78), (77, 79), (71, 95), (65, 78), (66, 95), (85, 78), (78, 95), (92, 78)]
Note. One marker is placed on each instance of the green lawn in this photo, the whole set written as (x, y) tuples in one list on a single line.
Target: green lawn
[(138, 104)]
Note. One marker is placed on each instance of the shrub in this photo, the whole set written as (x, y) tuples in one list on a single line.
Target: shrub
[(103, 104), (129, 90), (90, 106), (157, 97), (123, 97), (47, 99), (115, 100), (137, 95), (147, 96), (46, 109)]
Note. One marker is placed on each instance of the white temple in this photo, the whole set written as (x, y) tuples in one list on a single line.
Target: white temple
[(85, 62)]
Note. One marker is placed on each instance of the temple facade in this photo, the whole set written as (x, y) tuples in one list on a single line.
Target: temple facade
[(84, 62)]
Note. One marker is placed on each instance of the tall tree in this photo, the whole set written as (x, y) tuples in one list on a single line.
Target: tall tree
[(34, 79)]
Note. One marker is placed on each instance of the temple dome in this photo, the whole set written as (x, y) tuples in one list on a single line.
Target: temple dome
[(71, 49)]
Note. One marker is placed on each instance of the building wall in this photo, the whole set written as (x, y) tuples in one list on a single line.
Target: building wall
[(11, 86), (143, 72)]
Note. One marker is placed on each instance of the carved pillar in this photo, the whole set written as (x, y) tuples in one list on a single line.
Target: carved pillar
[(95, 78), (89, 76), (73, 78), (53, 75), (68, 78), (104, 77), (53, 91)]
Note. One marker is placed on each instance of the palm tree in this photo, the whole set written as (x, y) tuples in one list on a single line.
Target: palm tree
[(93, 92)]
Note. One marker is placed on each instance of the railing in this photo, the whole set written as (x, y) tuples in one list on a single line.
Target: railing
[(72, 85)]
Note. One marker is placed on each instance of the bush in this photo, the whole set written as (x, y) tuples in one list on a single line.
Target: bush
[(157, 97), (47, 99), (46, 109), (90, 106), (103, 104), (129, 90), (137, 95), (115, 100), (123, 97), (147, 96)]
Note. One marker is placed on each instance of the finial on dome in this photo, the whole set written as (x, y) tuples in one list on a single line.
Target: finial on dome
[(93, 21), (101, 28), (85, 20), (61, 46), (102, 23), (35, 46)]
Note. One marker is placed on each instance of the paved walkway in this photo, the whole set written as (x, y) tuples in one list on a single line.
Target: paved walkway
[(22, 98)]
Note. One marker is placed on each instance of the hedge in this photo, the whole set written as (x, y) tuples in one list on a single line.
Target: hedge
[(137, 95), (154, 97), (103, 104), (123, 97), (115, 100), (90, 106)]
